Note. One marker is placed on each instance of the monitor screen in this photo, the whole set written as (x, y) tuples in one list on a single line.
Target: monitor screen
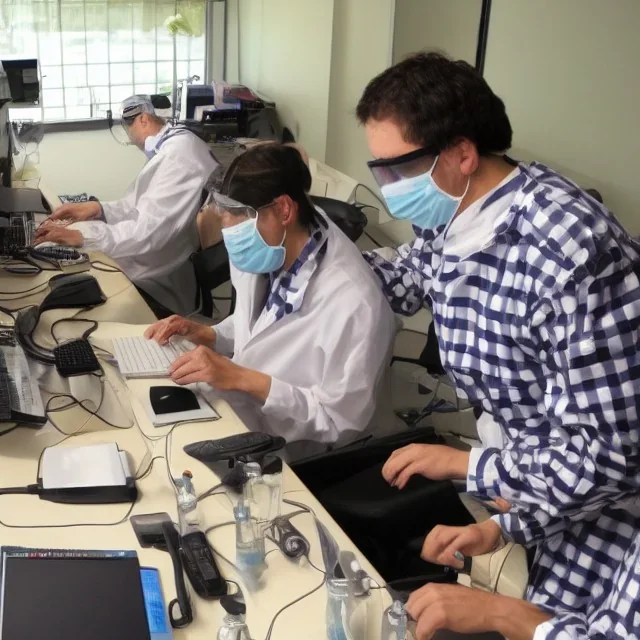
[(24, 80)]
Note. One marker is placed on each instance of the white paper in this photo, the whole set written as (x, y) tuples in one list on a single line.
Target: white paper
[(97, 465)]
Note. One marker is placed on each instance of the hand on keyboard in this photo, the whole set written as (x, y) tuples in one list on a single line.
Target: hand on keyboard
[(178, 326), (204, 365)]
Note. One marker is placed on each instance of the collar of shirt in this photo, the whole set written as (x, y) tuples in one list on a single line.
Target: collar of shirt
[(288, 287)]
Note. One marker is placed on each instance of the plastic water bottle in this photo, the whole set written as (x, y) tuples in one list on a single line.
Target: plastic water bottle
[(395, 623), (188, 516), (340, 607), (262, 493), (234, 626), (249, 542)]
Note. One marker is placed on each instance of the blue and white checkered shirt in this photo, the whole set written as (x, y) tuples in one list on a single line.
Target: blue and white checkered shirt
[(289, 286), (541, 327)]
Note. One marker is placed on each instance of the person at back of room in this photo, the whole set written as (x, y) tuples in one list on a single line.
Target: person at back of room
[(307, 348), (151, 231)]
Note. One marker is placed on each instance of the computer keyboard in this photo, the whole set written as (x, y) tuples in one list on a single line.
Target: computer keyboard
[(20, 387), (141, 358), (13, 237)]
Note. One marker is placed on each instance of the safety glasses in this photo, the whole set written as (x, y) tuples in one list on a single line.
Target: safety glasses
[(237, 209), (389, 170)]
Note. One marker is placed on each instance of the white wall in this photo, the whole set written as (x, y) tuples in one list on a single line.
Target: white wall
[(568, 73), (362, 33), (88, 161), (450, 26), (284, 49)]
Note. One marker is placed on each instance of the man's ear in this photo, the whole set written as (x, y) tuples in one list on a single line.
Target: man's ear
[(467, 156), (287, 210)]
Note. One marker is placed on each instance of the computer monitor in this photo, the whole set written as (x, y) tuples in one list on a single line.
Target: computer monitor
[(24, 80)]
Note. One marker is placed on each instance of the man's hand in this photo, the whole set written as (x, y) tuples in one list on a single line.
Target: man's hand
[(204, 365), (59, 235), (433, 461), (446, 545), (197, 333), (77, 211), (463, 610)]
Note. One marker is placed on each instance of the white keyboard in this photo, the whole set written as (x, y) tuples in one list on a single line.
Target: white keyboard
[(141, 358)]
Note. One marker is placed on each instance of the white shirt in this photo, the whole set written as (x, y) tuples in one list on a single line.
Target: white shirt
[(327, 361), (151, 231)]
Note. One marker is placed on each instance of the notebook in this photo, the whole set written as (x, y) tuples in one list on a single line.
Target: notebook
[(58, 595)]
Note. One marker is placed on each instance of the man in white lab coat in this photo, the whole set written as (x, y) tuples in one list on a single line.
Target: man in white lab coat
[(151, 231), (307, 348)]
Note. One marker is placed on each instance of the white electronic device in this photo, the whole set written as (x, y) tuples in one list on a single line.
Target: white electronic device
[(93, 474), (138, 357)]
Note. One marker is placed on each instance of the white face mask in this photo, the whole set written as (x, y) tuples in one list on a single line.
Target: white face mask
[(150, 145)]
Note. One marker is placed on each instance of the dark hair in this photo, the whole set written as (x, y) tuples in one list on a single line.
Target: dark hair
[(436, 101), (266, 171)]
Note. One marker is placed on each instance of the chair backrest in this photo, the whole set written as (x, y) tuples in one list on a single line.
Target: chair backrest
[(211, 263), (347, 216)]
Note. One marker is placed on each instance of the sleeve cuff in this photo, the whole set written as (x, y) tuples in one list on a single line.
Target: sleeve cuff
[(563, 627), (224, 338), (482, 474), (278, 402)]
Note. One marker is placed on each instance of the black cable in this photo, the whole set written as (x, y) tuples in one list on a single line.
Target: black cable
[(79, 403), (16, 295), (147, 471), (380, 246), (109, 267), (28, 490), (210, 492), (85, 335), (4, 433), (280, 611)]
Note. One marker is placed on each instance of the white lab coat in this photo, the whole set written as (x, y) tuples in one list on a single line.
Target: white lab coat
[(328, 361), (151, 231)]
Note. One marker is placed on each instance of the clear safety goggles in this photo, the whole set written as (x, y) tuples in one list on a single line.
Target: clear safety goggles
[(389, 170), (122, 125), (221, 203)]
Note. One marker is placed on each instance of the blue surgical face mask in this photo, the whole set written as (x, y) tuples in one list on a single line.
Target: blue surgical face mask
[(249, 252), (420, 200)]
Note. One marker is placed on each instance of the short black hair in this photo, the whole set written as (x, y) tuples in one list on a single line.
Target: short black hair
[(267, 171), (436, 101)]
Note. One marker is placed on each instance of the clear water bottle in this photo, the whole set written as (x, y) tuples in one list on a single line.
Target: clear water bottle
[(249, 542), (262, 493), (234, 626), (340, 607), (395, 623), (188, 515)]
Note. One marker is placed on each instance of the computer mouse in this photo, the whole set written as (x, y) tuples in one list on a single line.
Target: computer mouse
[(172, 400), (69, 278), (42, 245)]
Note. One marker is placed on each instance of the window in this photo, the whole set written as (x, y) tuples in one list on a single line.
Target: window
[(95, 53)]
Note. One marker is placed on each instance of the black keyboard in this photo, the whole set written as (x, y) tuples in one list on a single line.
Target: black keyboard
[(14, 240), (56, 253), (5, 392), (75, 358)]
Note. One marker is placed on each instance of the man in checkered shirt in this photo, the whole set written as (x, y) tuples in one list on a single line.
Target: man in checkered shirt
[(536, 301)]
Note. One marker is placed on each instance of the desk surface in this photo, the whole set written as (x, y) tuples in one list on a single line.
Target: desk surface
[(25, 520)]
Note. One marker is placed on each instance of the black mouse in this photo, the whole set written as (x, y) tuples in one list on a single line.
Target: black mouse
[(172, 400)]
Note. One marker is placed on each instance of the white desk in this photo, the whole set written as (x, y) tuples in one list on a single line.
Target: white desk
[(20, 451)]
